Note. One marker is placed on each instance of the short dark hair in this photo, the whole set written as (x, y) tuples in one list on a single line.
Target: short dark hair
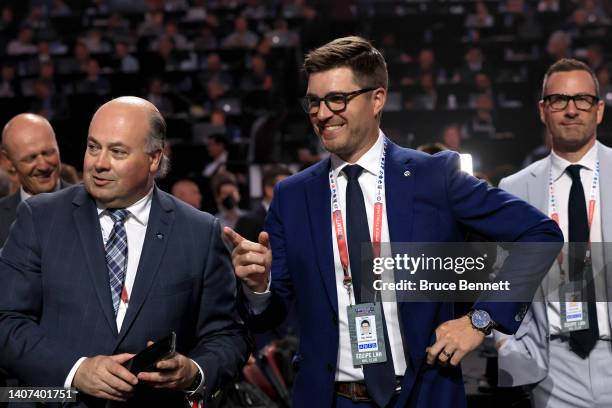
[(222, 178), (366, 62), (569, 65), (431, 148), (270, 174), (365, 321), (219, 138)]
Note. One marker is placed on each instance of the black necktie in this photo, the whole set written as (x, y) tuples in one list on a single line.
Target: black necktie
[(379, 377), (581, 341)]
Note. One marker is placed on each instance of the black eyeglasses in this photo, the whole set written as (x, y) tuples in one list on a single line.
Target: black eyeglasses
[(559, 102), (335, 101)]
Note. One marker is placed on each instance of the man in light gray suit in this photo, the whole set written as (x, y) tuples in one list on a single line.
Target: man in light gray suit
[(561, 366)]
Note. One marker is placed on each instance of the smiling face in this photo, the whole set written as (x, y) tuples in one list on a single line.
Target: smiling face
[(117, 170), (572, 130), (350, 133), (30, 145)]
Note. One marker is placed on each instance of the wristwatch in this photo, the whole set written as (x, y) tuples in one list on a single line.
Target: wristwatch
[(196, 382), (481, 321)]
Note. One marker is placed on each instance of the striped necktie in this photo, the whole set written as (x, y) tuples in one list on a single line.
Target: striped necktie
[(116, 254)]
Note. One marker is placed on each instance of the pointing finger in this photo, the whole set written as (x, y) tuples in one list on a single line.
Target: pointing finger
[(234, 237)]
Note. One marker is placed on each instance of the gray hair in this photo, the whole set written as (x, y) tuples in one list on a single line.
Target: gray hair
[(157, 141)]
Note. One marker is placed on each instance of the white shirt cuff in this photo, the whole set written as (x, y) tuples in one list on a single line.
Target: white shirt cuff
[(71, 374), (200, 388), (258, 301)]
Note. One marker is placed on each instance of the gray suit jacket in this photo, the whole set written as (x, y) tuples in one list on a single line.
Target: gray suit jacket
[(524, 357)]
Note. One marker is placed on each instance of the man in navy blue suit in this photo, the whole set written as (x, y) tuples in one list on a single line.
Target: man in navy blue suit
[(90, 274), (302, 256)]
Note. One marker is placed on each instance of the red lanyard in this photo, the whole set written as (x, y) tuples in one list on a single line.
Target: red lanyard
[(552, 205), (339, 223), (592, 198)]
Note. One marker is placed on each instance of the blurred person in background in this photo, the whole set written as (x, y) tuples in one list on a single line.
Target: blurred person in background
[(188, 191), (28, 142), (251, 224), (227, 196)]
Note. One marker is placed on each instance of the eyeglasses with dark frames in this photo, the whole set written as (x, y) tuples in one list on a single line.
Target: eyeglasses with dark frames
[(559, 102), (335, 101)]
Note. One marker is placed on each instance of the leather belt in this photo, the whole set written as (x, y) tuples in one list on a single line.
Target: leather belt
[(566, 337), (357, 392)]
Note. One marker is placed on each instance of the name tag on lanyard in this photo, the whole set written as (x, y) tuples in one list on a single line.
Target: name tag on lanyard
[(366, 333)]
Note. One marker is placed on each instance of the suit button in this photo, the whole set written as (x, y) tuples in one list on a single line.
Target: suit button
[(335, 320), (330, 368)]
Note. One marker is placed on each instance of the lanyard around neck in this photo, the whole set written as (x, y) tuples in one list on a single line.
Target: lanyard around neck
[(339, 223)]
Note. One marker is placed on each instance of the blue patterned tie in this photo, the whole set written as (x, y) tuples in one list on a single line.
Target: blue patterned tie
[(116, 254)]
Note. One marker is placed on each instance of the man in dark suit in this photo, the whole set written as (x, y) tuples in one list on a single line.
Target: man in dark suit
[(93, 272), (28, 142), (251, 224), (419, 198)]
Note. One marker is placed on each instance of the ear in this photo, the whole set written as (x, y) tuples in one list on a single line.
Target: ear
[(155, 159), (541, 108), (600, 111), (380, 97)]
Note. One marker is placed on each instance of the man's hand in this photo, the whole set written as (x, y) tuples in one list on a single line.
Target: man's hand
[(454, 339), (252, 260), (175, 373), (105, 377)]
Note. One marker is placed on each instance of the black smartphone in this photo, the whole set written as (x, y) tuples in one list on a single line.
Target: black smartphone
[(147, 358)]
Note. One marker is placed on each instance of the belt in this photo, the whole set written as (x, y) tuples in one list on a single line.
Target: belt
[(357, 392), (566, 337)]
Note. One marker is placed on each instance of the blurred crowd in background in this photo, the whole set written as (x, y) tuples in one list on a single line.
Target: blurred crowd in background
[(227, 76)]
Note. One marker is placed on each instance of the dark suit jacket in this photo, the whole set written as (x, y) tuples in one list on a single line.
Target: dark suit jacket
[(428, 199), (55, 302), (8, 211)]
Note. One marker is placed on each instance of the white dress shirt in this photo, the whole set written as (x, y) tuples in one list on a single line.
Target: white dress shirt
[(345, 371), (562, 183)]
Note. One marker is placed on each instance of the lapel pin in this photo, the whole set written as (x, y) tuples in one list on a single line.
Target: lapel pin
[(407, 173), (160, 235)]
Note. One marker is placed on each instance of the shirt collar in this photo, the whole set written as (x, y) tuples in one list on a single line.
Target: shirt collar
[(140, 210), (24, 195), (370, 161), (222, 158), (559, 164)]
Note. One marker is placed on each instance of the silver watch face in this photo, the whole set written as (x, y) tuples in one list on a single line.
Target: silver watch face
[(481, 319)]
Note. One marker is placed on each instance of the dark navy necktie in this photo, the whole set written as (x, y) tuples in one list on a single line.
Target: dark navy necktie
[(581, 341), (116, 254), (379, 377)]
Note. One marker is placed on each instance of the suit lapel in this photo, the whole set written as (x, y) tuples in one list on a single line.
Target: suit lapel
[(605, 192), (537, 195), (86, 221), (399, 197), (156, 239), (605, 197), (400, 176), (318, 201), (13, 201)]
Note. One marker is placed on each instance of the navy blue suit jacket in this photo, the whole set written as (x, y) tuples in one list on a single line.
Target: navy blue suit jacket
[(55, 301), (435, 202)]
